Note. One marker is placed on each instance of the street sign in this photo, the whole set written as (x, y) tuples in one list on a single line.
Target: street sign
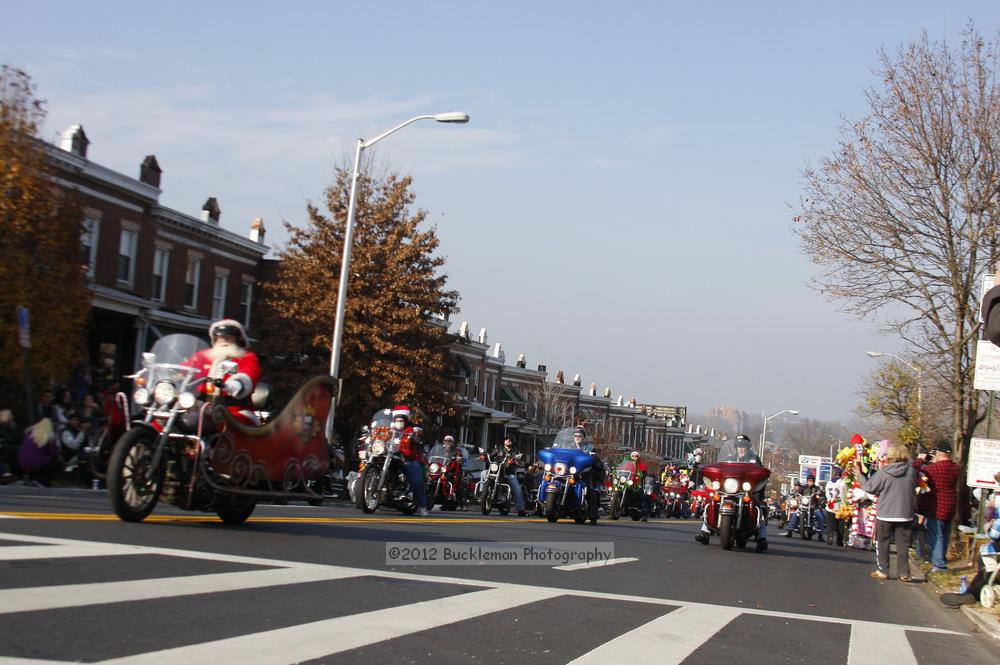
[(23, 328), (987, 284), (984, 461), (987, 375)]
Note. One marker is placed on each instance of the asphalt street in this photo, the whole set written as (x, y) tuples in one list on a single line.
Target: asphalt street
[(311, 584)]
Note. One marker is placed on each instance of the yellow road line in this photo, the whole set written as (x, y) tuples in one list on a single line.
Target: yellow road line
[(99, 517)]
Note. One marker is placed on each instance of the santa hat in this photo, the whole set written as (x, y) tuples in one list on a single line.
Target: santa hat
[(401, 410), (856, 439)]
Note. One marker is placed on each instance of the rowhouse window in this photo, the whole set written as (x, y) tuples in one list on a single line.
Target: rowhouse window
[(246, 299), (219, 296), (126, 256), (161, 259), (88, 242), (191, 278)]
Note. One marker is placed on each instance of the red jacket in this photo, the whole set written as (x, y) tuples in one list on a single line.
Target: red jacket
[(248, 373)]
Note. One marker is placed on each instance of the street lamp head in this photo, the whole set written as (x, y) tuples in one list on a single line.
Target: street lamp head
[(875, 354), (793, 412), (452, 116)]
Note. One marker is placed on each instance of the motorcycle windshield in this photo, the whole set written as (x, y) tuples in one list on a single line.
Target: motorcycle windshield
[(380, 428), (626, 468), (564, 439), (177, 349), (439, 455)]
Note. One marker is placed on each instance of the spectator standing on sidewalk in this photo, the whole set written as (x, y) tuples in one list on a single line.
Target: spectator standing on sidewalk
[(895, 486), (942, 478), (9, 443)]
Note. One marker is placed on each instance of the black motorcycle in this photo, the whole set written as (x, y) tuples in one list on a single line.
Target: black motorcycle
[(382, 480), (495, 490)]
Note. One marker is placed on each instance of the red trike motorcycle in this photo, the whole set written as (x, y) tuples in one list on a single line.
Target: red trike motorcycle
[(733, 512), (189, 450)]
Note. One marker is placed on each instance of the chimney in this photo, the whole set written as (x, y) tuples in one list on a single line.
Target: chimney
[(576, 381), (149, 171), (593, 390), (257, 230), (621, 401), (559, 377), (74, 140), (210, 211), (463, 330), (607, 391), (498, 351), (482, 335), (521, 362)]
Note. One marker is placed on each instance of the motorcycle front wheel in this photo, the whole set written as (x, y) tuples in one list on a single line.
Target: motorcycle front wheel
[(367, 489), (486, 501), (551, 508), (616, 506), (134, 487), (726, 535)]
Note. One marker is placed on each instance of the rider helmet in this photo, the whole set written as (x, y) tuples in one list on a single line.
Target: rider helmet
[(229, 327), (811, 477), (742, 441)]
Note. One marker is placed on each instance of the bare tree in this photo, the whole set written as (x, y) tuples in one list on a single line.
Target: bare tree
[(549, 407), (903, 216)]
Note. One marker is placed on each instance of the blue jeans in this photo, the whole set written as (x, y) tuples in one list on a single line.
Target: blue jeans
[(938, 532), (793, 522), (414, 473)]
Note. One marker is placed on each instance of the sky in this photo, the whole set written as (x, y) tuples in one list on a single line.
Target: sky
[(619, 206)]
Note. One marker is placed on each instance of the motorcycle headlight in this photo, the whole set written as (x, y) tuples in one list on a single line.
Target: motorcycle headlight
[(434, 468), (731, 485), (186, 400), (716, 484), (164, 392), (494, 467), (746, 486), (141, 396), (572, 469), (622, 479), (793, 505), (630, 482), (378, 448), (548, 467), (560, 468), (362, 454)]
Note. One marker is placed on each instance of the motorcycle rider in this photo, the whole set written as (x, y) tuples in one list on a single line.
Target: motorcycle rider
[(509, 452), (229, 342), (641, 471), (594, 475), (404, 432), (807, 493), (743, 455)]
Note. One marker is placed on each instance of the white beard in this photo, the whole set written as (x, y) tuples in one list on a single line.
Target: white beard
[(222, 351)]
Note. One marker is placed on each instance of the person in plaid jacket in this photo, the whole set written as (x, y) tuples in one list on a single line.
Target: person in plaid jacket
[(939, 504)]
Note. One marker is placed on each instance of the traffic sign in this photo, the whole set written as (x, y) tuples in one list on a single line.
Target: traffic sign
[(984, 461), (987, 373), (23, 328)]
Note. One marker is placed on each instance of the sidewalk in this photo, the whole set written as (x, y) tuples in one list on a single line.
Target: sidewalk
[(987, 620)]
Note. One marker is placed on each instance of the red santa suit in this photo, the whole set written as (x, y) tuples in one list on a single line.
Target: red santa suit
[(248, 372)]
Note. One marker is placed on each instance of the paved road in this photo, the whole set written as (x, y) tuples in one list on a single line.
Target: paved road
[(300, 584)]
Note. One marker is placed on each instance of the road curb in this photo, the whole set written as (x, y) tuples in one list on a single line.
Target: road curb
[(985, 621)]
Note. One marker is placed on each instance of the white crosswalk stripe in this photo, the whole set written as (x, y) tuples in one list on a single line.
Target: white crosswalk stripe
[(680, 631)]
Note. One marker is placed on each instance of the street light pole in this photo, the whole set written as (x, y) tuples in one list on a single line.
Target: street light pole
[(763, 435), (920, 379), (345, 263)]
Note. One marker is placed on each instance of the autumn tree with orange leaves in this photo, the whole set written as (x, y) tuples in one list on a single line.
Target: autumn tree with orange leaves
[(41, 268), (394, 344)]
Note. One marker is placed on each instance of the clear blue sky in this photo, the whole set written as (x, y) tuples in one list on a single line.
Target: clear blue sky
[(619, 204)]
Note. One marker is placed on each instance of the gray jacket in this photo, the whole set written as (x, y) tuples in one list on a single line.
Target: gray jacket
[(895, 486)]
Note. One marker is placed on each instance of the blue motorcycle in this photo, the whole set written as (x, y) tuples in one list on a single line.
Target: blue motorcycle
[(566, 489)]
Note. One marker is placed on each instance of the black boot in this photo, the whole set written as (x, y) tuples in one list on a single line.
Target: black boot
[(702, 538)]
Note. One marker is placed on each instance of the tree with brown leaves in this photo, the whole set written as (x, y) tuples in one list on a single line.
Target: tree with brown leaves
[(40, 227), (903, 216), (394, 346)]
